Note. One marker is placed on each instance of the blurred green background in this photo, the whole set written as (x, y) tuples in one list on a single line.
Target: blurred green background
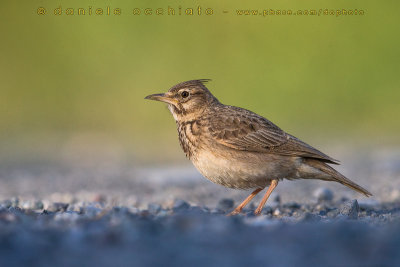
[(81, 80)]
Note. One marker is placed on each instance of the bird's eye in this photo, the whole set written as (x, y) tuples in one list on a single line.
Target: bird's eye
[(185, 94)]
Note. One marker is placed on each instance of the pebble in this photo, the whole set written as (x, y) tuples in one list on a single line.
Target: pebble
[(75, 207), (180, 205), (133, 210), (277, 212), (57, 206), (92, 211), (321, 207), (350, 209), (154, 208), (267, 210), (323, 194), (38, 205), (33, 205)]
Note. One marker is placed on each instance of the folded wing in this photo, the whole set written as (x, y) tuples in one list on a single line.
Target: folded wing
[(242, 129)]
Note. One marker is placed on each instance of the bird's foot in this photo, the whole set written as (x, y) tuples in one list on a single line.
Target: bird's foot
[(257, 212), (234, 212)]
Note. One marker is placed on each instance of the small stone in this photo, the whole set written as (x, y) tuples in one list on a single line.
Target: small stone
[(350, 209), (38, 205), (267, 210), (92, 211), (323, 194), (75, 208), (306, 207), (26, 205), (225, 204), (154, 208), (57, 206), (323, 213), (133, 210), (321, 207), (32, 205), (180, 205), (205, 209), (277, 212)]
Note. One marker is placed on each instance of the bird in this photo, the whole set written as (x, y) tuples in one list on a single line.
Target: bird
[(239, 149)]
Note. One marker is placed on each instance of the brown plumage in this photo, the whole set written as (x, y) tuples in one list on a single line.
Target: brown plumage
[(239, 149)]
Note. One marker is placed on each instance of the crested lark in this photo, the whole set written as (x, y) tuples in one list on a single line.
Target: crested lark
[(237, 148)]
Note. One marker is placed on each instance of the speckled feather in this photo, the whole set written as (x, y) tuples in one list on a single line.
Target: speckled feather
[(242, 129)]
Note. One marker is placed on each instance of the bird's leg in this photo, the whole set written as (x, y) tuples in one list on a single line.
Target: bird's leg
[(245, 202), (271, 188)]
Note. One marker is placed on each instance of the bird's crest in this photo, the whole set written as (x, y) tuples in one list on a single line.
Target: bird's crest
[(190, 84)]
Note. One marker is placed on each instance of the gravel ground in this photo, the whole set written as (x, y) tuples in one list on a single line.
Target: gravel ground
[(113, 214)]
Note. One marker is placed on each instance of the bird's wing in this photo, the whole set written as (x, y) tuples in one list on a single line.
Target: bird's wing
[(241, 129)]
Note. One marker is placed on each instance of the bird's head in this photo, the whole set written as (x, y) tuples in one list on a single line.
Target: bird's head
[(187, 100)]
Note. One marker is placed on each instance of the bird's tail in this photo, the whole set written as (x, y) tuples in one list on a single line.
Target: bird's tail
[(334, 175)]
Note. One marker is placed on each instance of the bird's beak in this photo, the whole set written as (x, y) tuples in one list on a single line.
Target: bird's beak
[(162, 98)]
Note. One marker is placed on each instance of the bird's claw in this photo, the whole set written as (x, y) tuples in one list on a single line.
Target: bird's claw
[(234, 212)]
